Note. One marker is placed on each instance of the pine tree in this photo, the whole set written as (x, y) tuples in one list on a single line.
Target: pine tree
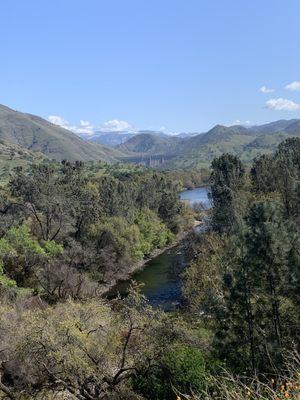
[(227, 178)]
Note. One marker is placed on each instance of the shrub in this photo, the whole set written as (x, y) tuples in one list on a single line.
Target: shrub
[(182, 368)]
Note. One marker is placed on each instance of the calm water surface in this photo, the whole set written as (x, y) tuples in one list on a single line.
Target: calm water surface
[(161, 276), (199, 195)]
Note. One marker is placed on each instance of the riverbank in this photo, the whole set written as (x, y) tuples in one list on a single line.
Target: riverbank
[(139, 265), (158, 272)]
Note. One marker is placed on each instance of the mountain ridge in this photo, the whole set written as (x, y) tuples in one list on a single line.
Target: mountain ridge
[(199, 150), (35, 133), (247, 143)]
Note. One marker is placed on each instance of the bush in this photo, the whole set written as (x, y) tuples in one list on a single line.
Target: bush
[(21, 255), (154, 233), (182, 368)]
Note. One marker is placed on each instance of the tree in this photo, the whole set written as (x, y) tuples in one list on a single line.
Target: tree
[(181, 368), (287, 161), (42, 195), (269, 245), (203, 278), (154, 233), (81, 196), (227, 179), (256, 295), (21, 255), (263, 174), (11, 213)]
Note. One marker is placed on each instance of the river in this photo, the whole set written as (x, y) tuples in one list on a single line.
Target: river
[(161, 275)]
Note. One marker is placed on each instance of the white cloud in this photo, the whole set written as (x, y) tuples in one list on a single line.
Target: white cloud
[(85, 124), (293, 86), (162, 129), (239, 122), (85, 128), (115, 125), (57, 120), (281, 104), (264, 89)]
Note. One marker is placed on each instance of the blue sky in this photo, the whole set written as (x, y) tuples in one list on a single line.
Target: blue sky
[(182, 65)]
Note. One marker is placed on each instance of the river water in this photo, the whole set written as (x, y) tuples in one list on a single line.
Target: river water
[(198, 195), (161, 276)]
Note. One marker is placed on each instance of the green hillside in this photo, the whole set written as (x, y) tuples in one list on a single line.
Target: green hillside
[(36, 134), (150, 144), (200, 150)]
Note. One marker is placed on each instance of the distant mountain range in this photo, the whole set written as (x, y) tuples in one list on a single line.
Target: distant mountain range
[(200, 149), (114, 139), (25, 137), (36, 134), (111, 139)]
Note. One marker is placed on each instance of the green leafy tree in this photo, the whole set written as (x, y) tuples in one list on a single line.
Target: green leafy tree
[(153, 232), (22, 256), (42, 195)]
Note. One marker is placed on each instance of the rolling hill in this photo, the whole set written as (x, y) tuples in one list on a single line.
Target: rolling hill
[(247, 143), (21, 132), (36, 134), (199, 150), (150, 144), (114, 139)]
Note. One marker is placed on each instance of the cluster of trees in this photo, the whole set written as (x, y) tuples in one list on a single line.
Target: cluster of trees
[(245, 281), (61, 220), (67, 229)]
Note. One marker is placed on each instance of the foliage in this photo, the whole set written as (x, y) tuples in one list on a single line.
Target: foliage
[(4, 279), (181, 368), (153, 232), (203, 277), (22, 255), (228, 387), (118, 214), (244, 283), (88, 348), (68, 229), (122, 237), (227, 178)]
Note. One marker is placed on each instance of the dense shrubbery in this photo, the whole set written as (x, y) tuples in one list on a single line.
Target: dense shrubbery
[(103, 223), (182, 368), (88, 348), (67, 229)]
